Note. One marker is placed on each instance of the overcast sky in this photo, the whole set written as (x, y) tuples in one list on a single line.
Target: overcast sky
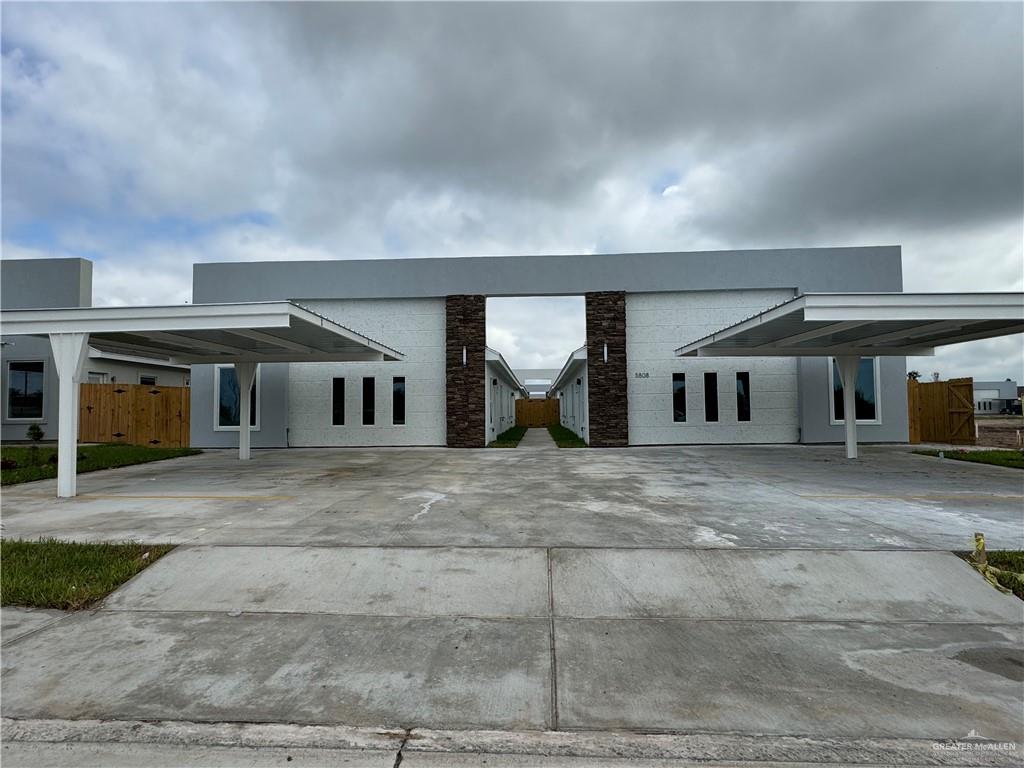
[(148, 137)]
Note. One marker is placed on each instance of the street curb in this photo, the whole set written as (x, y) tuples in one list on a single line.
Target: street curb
[(696, 748)]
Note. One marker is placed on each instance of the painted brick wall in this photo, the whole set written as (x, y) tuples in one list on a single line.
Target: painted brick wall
[(606, 385), (660, 322), (465, 328), (416, 328)]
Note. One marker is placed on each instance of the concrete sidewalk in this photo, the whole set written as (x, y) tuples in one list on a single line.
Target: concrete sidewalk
[(855, 645), (537, 437)]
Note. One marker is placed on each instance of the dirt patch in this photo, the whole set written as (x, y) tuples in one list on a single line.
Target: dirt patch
[(1000, 433)]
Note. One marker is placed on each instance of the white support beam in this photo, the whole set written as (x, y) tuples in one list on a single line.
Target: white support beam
[(919, 332), (835, 351), (848, 366), (70, 352), (245, 375), (189, 342), (817, 333), (276, 341)]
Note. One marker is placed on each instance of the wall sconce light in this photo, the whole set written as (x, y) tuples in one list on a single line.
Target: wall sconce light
[(463, 357), (606, 351)]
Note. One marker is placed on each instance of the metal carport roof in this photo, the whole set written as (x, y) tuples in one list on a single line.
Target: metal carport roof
[(242, 334), (849, 326)]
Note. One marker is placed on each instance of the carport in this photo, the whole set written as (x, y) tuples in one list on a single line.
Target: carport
[(849, 326), (243, 334)]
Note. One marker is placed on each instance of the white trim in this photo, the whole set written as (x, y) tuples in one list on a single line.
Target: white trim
[(8, 419), (216, 399), (876, 365)]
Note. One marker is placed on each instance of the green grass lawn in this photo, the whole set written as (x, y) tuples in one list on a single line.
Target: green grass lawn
[(1004, 458), (565, 438), (62, 574), (509, 438), (90, 459)]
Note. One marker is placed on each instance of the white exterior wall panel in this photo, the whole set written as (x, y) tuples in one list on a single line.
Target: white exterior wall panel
[(499, 402), (657, 323), (416, 327)]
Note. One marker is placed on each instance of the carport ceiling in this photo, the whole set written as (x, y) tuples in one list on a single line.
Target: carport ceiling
[(866, 324), (277, 331)]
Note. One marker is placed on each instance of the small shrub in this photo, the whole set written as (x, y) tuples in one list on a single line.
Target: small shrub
[(34, 433), (8, 464)]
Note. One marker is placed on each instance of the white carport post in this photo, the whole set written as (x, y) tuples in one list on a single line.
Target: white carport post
[(245, 375), (69, 355), (848, 367)]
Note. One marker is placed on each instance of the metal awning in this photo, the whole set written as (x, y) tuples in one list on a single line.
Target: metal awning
[(242, 334), (866, 324), (849, 326), (271, 331)]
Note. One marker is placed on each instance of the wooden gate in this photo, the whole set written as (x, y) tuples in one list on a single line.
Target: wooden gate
[(536, 413), (137, 414), (941, 411)]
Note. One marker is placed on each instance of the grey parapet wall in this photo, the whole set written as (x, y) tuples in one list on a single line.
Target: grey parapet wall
[(803, 270), (38, 284)]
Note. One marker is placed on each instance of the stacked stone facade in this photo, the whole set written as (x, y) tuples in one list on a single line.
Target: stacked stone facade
[(465, 329), (607, 396)]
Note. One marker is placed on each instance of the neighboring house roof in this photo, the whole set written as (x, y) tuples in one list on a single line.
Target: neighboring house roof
[(505, 370), (575, 363)]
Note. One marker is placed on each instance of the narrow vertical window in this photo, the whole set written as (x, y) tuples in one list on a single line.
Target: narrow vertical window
[(678, 397), (338, 403), (398, 400), (710, 396), (369, 383), (743, 396)]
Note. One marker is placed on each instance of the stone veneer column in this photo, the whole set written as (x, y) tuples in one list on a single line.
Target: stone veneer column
[(606, 379), (465, 329)]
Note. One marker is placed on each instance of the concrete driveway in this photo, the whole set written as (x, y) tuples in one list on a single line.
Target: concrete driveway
[(771, 593), (707, 497)]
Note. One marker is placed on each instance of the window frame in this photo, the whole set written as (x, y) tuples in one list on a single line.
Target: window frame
[(362, 401), (148, 376), (217, 368), (718, 399), (344, 392), (672, 393), (750, 399), (832, 420), (41, 419), (394, 382)]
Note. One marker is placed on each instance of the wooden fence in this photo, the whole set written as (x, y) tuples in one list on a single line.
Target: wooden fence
[(941, 411), (536, 413), (137, 414)]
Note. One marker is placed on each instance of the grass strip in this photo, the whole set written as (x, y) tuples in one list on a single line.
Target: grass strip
[(565, 438), (997, 458), (68, 575), (509, 438), (20, 464)]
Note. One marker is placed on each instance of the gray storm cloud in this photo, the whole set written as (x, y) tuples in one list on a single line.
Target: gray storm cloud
[(323, 130)]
